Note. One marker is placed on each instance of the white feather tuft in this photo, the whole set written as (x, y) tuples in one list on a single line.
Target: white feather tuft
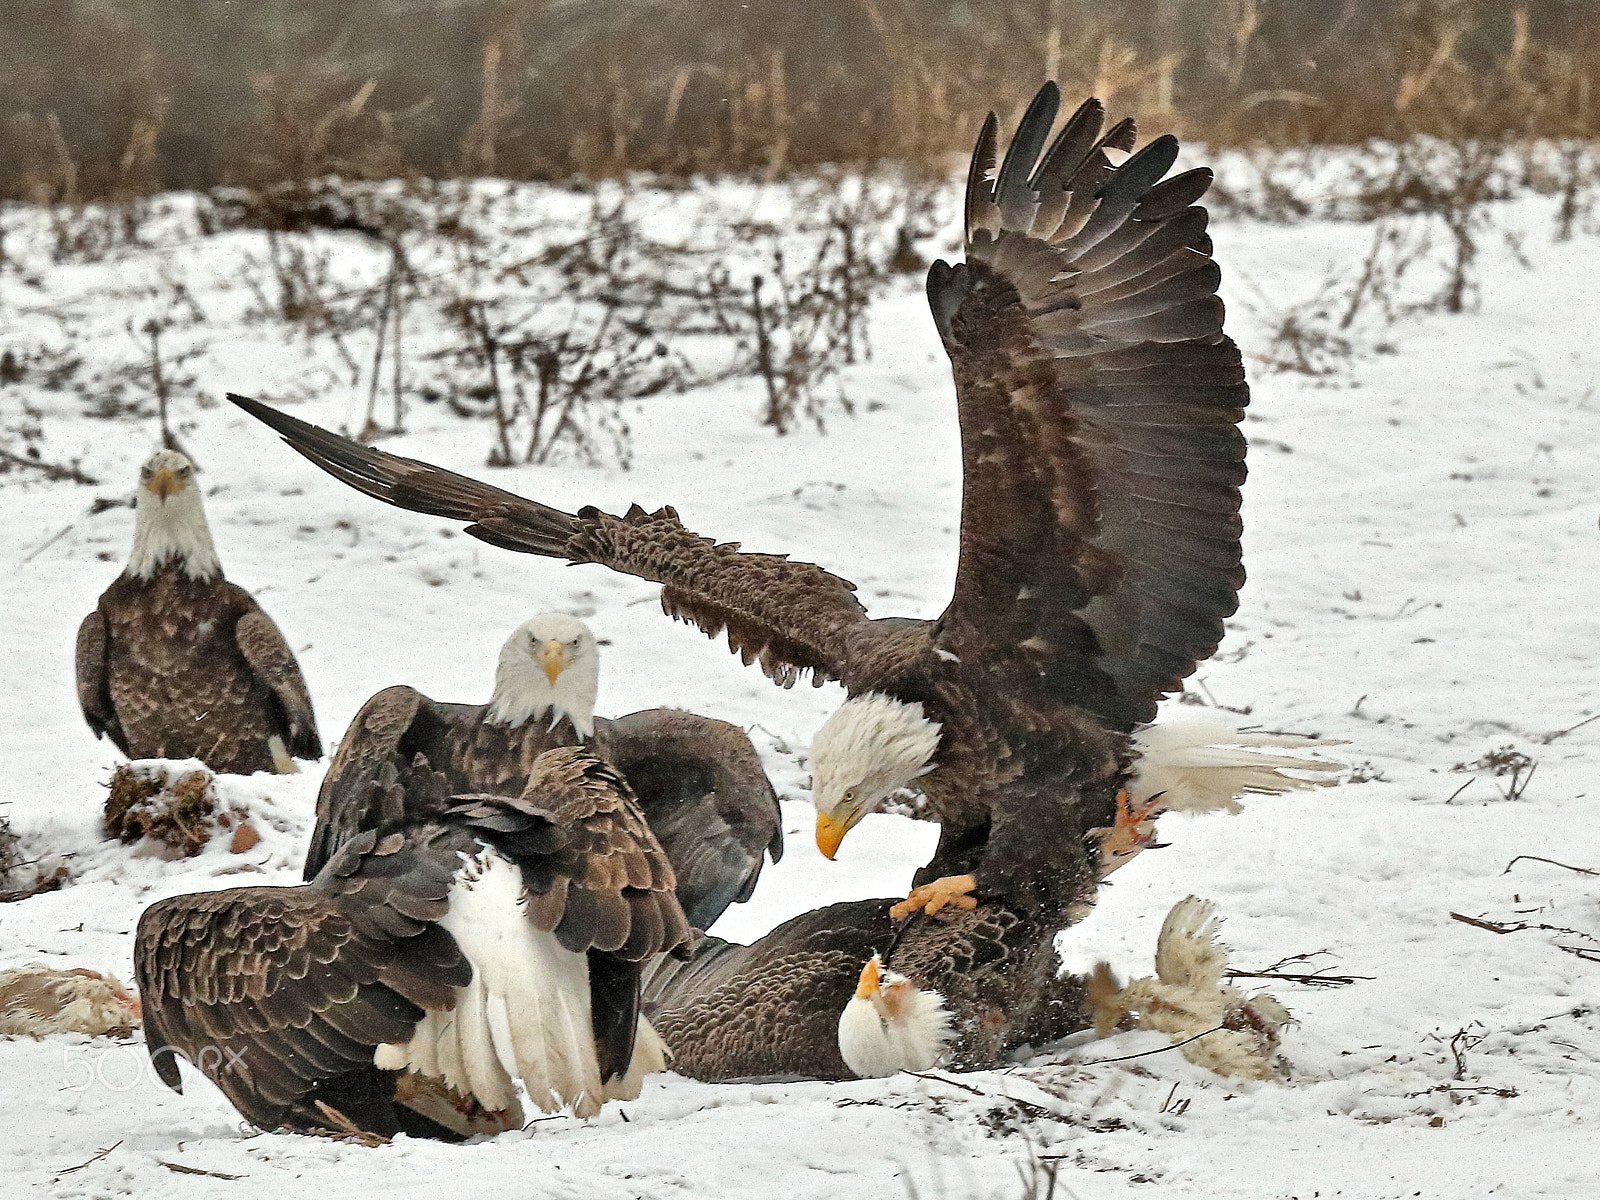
[(171, 528), (1214, 1025), (1202, 765), (522, 690), (900, 1027), (526, 1013)]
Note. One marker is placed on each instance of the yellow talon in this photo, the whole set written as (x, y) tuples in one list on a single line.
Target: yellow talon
[(931, 897)]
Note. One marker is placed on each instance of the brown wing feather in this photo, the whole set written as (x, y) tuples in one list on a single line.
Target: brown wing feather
[(707, 799), (277, 993), (261, 642), (1099, 405), (790, 616), (596, 876), (362, 789), (94, 687)]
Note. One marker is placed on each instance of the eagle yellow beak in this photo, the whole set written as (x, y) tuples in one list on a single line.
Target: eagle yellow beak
[(871, 979), (164, 482), (829, 834), (553, 658)]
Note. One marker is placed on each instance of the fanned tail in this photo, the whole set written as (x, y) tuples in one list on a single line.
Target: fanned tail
[(1206, 765)]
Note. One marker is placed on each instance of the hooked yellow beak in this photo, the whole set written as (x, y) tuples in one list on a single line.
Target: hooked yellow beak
[(829, 834), (553, 658), (871, 979), (164, 482)]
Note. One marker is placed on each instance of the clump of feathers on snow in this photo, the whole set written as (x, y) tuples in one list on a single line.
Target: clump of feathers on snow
[(1187, 997), (37, 1000), (171, 808), (1206, 764)]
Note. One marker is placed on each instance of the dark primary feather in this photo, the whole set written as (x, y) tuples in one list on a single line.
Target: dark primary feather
[(274, 665), (1099, 405), (789, 616), (375, 778), (94, 686)]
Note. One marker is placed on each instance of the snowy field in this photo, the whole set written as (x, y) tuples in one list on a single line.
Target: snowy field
[(1420, 540)]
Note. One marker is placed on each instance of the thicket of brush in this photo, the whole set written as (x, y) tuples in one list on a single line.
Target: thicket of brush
[(106, 98)]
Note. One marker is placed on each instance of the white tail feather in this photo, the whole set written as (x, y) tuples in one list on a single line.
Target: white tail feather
[(1202, 765), (525, 1014)]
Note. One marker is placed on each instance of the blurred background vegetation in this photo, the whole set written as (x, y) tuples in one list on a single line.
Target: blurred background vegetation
[(109, 98)]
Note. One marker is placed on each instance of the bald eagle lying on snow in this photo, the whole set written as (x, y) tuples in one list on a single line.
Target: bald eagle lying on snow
[(698, 780), (175, 661), (1099, 403)]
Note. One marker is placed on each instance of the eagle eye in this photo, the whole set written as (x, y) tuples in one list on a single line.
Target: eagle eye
[(849, 795)]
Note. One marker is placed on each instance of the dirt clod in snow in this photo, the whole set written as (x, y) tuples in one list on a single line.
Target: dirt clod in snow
[(175, 808)]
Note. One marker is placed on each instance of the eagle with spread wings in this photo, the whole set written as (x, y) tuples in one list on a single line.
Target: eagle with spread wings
[(1099, 404)]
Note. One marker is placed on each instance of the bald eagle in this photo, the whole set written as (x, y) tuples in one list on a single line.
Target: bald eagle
[(698, 780), (836, 993), (175, 661), (1099, 405), (486, 938)]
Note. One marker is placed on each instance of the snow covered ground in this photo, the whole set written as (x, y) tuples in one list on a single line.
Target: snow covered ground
[(1420, 537)]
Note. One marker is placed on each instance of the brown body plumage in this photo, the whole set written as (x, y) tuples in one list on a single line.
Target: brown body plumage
[(176, 662), (283, 996), (1099, 402), (698, 780)]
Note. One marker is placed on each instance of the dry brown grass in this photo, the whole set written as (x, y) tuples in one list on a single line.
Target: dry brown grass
[(122, 104)]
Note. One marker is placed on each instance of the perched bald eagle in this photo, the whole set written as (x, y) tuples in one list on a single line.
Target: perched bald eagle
[(487, 938), (1099, 404), (835, 993), (175, 661), (698, 780)]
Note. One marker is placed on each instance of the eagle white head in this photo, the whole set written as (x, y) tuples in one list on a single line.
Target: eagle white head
[(873, 746), (549, 664), (892, 1025), (169, 521)]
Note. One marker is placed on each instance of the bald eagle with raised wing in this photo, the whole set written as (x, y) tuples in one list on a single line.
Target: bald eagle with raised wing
[(175, 661), (1099, 405)]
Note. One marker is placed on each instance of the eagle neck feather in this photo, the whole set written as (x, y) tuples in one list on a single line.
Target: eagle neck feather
[(172, 530), (522, 693)]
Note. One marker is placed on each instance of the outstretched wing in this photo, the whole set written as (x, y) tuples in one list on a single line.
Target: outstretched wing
[(94, 687), (363, 788), (273, 663), (790, 616), (276, 994), (707, 799), (1099, 405)]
